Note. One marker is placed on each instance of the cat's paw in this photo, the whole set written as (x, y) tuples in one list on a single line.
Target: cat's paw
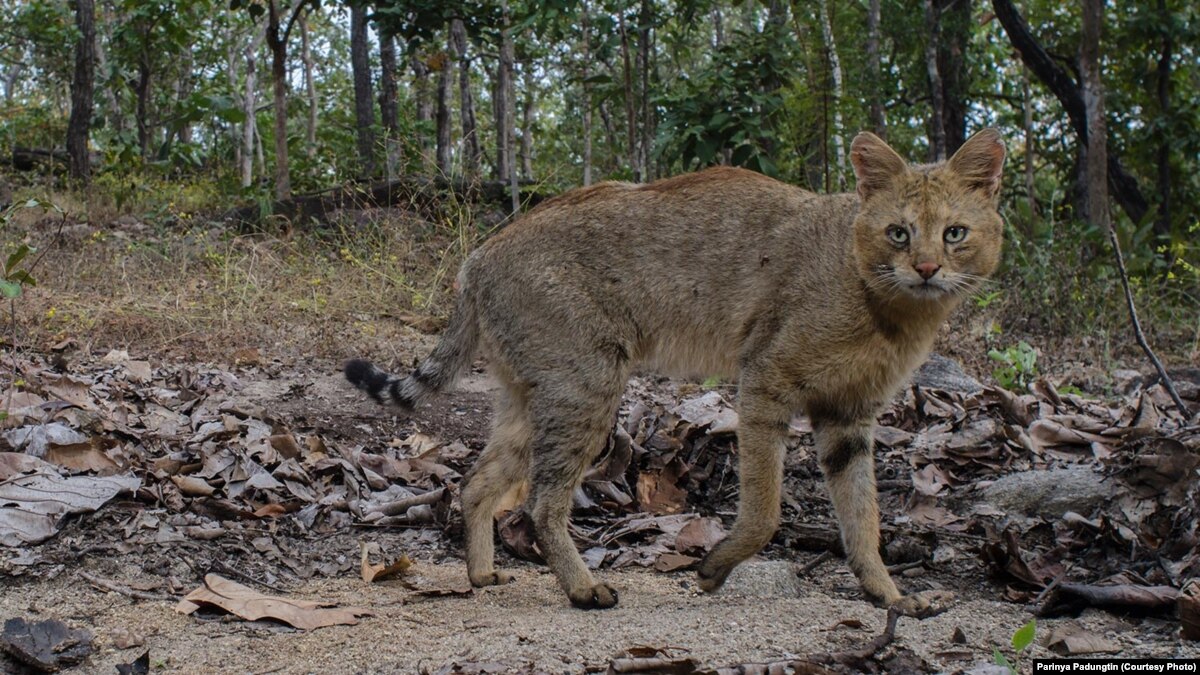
[(497, 578), (923, 604), (600, 596)]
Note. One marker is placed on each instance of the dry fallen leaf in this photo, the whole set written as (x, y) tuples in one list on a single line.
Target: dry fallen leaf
[(33, 504), (1070, 639), (253, 606), (372, 572)]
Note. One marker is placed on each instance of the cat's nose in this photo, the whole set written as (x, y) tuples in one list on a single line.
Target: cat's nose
[(927, 269)]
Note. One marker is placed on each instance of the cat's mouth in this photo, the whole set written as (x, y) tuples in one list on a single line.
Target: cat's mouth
[(928, 290)]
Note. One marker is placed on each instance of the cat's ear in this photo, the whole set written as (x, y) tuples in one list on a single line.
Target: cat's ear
[(980, 162), (875, 164)]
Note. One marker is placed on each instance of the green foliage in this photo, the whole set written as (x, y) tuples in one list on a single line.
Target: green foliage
[(1021, 640), (1018, 365), (725, 113)]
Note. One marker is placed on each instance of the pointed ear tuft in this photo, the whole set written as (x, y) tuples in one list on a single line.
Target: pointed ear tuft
[(980, 162), (875, 164)]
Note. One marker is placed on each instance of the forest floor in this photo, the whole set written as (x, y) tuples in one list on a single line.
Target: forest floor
[(207, 368)]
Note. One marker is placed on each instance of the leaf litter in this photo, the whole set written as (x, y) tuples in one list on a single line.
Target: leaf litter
[(201, 460)]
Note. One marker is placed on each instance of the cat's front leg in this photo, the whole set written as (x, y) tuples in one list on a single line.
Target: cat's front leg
[(845, 450)]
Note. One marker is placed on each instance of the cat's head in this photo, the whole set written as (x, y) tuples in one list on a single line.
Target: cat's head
[(928, 232)]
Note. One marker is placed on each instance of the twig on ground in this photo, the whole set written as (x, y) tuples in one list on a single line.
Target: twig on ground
[(814, 564), (225, 569), (113, 586)]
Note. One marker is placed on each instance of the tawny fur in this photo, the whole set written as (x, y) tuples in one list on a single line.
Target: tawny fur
[(803, 298)]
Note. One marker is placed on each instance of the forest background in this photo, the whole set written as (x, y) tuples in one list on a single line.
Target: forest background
[(173, 111)]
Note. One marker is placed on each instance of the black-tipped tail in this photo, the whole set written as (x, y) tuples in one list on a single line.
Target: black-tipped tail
[(401, 391)]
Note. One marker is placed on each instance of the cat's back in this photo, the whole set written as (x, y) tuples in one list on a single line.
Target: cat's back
[(717, 209)]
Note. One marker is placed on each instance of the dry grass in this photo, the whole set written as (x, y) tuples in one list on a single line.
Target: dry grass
[(189, 289)]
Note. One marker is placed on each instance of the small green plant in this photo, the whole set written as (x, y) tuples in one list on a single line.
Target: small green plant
[(16, 276), (983, 300), (711, 382), (1020, 642), (1018, 366)]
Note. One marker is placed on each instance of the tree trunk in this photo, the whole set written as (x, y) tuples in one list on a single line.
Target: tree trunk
[(875, 72), (954, 32), (835, 67), (249, 106), (310, 88), (587, 94), (937, 126), (364, 98), (630, 118), (142, 91), (500, 112), (509, 121), (388, 106), (527, 106), (1124, 187), (1093, 99), (443, 113), (277, 41), (82, 83), (1162, 223), (183, 87), (424, 102), (472, 153), (1027, 110), (610, 135), (646, 21)]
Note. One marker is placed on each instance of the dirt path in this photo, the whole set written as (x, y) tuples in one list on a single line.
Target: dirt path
[(764, 614), (527, 626)]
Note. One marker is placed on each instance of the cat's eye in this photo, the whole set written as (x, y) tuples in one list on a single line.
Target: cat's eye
[(897, 235), (954, 234)]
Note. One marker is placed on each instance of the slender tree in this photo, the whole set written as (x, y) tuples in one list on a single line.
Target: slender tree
[(472, 153), (388, 105), (875, 71), (444, 71), (82, 84), (310, 89), (835, 69), (364, 99), (937, 125), (586, 104), (280, 20)]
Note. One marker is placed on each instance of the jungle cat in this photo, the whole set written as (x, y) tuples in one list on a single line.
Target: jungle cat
[(816, 304)]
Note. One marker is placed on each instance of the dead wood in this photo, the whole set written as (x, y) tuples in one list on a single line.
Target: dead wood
[(109, 585)]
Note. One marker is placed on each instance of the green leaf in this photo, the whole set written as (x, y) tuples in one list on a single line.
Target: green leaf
[(9, 289), (1024, 635), (999, 660), (16, 257)]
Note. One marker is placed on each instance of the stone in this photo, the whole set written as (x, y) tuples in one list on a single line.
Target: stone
[(765, 579), (1050, 493), (940, 372)]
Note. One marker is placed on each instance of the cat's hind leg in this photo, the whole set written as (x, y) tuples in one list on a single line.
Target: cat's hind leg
[(502, 469)]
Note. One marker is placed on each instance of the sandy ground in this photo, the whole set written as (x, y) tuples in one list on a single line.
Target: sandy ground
[(529, 627)]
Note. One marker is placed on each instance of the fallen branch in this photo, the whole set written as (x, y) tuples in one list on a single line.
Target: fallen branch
[(401, 506), (109, 585)]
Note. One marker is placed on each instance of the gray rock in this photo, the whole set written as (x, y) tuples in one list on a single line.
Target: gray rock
[(765, 579), (1050, 492), (940, 372), (1125, 381)]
